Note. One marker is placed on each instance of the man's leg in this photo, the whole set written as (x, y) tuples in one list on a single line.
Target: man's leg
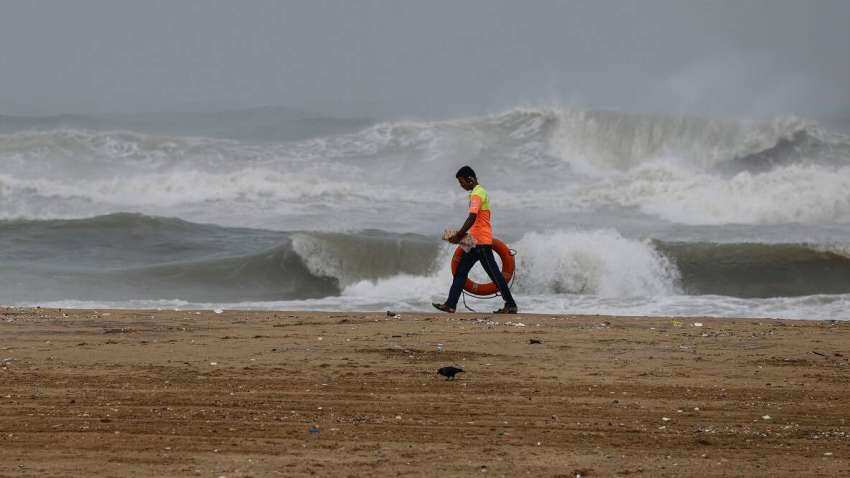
[(488, 262), (467, 260)]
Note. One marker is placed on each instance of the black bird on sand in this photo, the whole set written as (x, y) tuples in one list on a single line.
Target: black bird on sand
[(449, 372)]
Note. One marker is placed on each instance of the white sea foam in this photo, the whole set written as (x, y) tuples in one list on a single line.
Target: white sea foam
[(544, 159), (665, 188), (841, 249), (599, 141), (819, 307), (598, 263)]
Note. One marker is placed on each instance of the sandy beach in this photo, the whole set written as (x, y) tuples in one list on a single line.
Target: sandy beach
[(238, 394)]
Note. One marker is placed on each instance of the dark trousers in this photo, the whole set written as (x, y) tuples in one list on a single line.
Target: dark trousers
[(488, 262)]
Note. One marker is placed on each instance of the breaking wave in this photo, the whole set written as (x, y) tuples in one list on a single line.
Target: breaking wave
[(135, 257), (797, 193), (679, 169), (601, 263)]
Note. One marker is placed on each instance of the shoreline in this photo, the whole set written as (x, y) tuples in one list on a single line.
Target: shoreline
[(271, 393)]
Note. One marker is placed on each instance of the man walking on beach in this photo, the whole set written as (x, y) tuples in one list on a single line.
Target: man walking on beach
[(480, 230)]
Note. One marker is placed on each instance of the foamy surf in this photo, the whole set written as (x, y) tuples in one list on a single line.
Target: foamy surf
[(677, 169), (820, 307)]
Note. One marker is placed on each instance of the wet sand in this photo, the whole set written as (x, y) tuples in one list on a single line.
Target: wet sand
[(238, 394)]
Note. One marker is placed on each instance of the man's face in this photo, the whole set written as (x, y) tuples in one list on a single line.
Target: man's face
[(466, 183)]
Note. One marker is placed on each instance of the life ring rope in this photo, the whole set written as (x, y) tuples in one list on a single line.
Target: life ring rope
[(497, 294), (488, 290)]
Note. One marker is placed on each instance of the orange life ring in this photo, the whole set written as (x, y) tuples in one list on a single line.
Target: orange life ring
[(489, 288)]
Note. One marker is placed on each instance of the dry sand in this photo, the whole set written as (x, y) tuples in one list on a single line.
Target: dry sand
[(184, 393)]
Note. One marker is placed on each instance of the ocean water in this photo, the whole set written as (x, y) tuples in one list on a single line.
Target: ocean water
[(609, 212)]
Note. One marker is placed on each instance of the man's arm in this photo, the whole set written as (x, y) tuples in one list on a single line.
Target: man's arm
[(474, 207), (470, 220)]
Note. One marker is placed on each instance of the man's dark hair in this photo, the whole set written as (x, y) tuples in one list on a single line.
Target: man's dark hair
[(465, 172)]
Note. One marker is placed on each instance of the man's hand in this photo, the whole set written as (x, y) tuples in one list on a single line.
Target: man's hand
[(460, 234)]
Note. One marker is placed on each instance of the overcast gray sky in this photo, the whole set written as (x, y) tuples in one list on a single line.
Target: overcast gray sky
[(752, 57)]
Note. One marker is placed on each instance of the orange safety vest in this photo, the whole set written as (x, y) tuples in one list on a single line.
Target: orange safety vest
[(479, 203)]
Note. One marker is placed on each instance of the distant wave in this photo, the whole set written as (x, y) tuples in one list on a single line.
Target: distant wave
[(589, 139), (797, 193), (679, 169), (255, 124)]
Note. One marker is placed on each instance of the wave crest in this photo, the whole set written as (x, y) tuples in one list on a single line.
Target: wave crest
[(600, 263), (807, 194)]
